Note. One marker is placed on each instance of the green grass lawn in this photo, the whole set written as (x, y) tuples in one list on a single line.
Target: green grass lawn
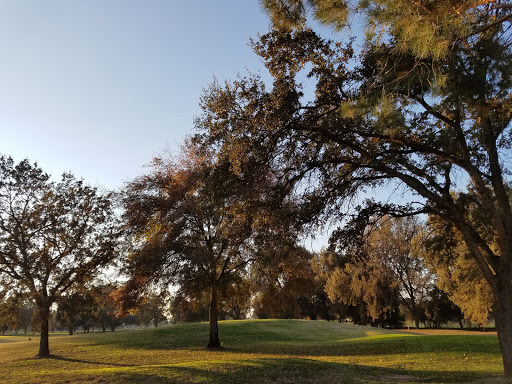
[(254, 351)]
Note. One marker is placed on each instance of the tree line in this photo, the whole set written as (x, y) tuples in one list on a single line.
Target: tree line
[(229, 246), (424, 106), (84, 309)]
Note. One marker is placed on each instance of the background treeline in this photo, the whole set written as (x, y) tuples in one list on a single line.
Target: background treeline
[(87, 309), (385, 281), (382, 277)]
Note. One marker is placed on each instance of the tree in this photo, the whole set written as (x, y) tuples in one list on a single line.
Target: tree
[(398, 242), (187, 308), (10, 311), (26, 314), (235, 297), (78, 304), (457, 272), (53, 235), (439, 309), (363, 279), (197, 223), (151, 311), (286, 287), (108, 315), (427, 105)]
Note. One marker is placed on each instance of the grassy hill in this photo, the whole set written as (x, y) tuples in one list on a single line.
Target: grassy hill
[(254, 351)]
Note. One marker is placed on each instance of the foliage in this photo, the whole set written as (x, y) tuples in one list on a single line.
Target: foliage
[(377, 265), (76, 305), (196, 224), (53, 235), (426, 106), (397, 242), (10, 316), (108, 314), (457, 272), (151, 311), (439, 309), (235, 298), (26, 312), (190, 308), (286, 288)]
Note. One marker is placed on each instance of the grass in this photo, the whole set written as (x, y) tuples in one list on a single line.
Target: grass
[(254, 351)]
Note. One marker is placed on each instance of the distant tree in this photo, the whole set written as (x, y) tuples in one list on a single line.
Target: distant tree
[(398, 243), (74, 307), (10, 313), (196, 222), (151, 311), (366, 284), (286, 287), (190, 308), (235, 297), (439, 309), (109, 315), (457, 272), (52, 321), (358, 272), (26, 312), (53, 235)]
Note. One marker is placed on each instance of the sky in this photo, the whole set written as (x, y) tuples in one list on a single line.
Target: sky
[(99, 88)]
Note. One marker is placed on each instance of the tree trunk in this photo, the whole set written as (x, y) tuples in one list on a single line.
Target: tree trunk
[(213, 341), (44, 349), (503, 319)]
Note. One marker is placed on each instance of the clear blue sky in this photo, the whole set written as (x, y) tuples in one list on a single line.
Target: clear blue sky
[(99, 87)]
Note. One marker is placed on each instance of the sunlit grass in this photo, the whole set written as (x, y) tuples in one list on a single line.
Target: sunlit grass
[(255, 351)]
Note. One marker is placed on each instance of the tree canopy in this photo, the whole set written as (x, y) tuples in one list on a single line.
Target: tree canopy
[(53, 235), (425, 104), (197, 225)]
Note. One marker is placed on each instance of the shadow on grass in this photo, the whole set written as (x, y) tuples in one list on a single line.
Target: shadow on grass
[(292, 345), (82, 361), (264, 371), (378, 346)]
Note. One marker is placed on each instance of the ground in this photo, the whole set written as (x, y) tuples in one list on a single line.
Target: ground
[(256, 351)]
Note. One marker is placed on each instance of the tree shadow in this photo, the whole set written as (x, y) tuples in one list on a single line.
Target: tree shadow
[(281, 370), (82, 361), (375, 347)]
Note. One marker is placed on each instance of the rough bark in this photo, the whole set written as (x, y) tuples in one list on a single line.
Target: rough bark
[(70, 326), (44, 349), (213, 340), (502, 312)]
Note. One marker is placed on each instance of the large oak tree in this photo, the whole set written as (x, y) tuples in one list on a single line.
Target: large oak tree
[(53, 235), (197, 224)]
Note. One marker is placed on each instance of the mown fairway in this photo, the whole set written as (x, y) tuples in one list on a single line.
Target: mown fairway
[(255, 351)]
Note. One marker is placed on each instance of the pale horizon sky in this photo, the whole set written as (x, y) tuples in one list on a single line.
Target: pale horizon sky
[(99, 88)]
